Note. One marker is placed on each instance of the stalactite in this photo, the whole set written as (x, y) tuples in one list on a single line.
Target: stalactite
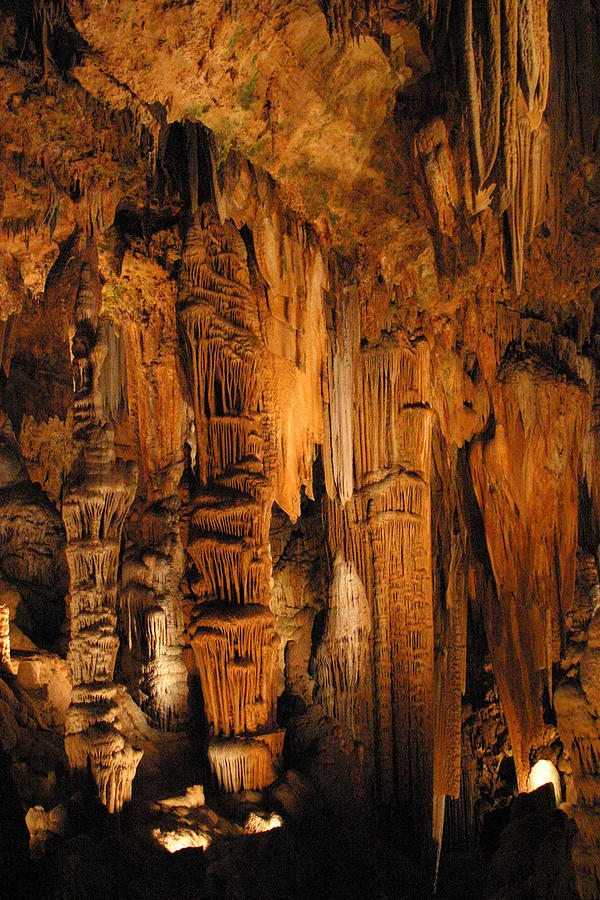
[(236, 652), (344, 663), (390, 377), (234, 640), (384, 531), (337, 451), (241, 764), (482, 84), (95, 504), (498, 55), (527, 206), (151, 615), (348, 19)]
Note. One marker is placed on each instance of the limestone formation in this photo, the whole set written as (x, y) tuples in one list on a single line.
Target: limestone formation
[(152, 615), (576, 708), (344, 664), (234, 642), (5, 661), (384, 532), (95, 504), (534, 599)]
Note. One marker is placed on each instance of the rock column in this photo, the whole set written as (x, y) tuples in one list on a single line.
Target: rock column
[(96, 501), (235, 644)]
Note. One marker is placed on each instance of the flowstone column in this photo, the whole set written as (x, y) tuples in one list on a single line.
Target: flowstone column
[(153, 618), (96, 502), (384, 530), (235, 644)]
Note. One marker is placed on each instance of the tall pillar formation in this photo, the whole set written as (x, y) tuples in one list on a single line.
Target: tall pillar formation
[(96, 501), (235, 644), (384, 531)]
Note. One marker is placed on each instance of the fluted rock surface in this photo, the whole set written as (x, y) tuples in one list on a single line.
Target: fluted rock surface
[(95, 504)]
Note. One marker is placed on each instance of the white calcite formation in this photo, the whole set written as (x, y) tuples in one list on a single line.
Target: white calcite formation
[(152, 616), (344, 664)]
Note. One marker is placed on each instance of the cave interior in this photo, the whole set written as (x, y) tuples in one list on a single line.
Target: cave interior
[(300, 449)]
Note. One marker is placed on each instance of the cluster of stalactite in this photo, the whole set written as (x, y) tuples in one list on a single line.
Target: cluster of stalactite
[(383, 532), (497, 56), (234, 642), (239, 762), (531, 535), (96, 501), (349, 19), (151, 614), (343, 337)]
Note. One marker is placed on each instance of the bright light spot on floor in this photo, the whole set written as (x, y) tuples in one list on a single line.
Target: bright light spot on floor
[(544, 772), (257, 822), (180, 838)]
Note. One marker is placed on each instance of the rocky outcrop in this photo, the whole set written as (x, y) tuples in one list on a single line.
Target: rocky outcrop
[(31, 544), (297, 550)]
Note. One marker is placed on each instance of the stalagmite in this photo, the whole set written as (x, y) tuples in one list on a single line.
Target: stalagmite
[(234, 642), (151, 615), (450, 684), (5, 661), (95, 504), (344, 664)]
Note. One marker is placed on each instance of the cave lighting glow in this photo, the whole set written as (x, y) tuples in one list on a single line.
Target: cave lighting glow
[(256, 823), (544, 772), (181, 838)]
